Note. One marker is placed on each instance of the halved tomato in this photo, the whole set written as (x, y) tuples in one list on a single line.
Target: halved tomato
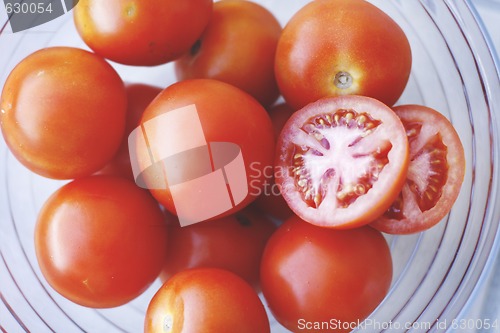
[(435, 175), (342, 161)]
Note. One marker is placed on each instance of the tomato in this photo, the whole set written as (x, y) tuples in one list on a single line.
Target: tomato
[(234, 243), (342, 161), (141, 33), (280, 113), (226, 115), (238, 47), (312, 274), (435, 175), (54, 117), (206, 300), (341, 47), (100, 241), (138, 98), (270, 201)]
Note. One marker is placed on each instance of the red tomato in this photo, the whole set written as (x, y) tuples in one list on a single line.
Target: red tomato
[(238, 47), (341, 47), (138, 98), (280, 113), (206, 300), (226, 114), (234, 243), (342, 161), (270, 201), (311, 275), (435, 173), (56, 120), (141, 33), (100, 241)]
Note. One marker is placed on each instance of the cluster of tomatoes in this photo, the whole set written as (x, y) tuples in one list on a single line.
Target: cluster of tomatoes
[(346, 163)]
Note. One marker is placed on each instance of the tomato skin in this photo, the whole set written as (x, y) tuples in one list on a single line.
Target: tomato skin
[(238, 47), (271, 201), (141, 33), (234, 243), (417, 217), (138, 98), (227, 114), (374, 157), (206, 300), (316, 274), (100, 241), (53, 117), (330, 37), (280, 113)]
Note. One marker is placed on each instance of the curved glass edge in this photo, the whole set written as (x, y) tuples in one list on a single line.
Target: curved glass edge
[(492, 264), (479, 305)]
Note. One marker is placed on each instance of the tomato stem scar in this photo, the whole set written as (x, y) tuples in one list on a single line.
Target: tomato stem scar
[(343, 80)]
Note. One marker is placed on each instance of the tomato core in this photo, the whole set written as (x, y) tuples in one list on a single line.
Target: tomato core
[(319, 160)]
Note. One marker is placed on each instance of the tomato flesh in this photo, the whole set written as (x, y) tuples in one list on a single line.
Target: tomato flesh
[(435, 173), (342, 161), (337, 133)]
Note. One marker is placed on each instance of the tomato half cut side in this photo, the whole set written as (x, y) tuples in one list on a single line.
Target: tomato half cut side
[(435, 175), (342, 161)]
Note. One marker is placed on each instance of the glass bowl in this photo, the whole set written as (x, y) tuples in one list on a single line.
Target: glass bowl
[(436, 272)]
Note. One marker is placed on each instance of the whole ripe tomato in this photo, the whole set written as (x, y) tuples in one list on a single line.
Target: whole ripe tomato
[(234, 243), (435, 173), (226, 114), (100, 241), (341, 47), (342, 161), (138, 98), (311, 275), (54, 117), (141, 33), (238, 47), (206, 300), (271, 201)]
